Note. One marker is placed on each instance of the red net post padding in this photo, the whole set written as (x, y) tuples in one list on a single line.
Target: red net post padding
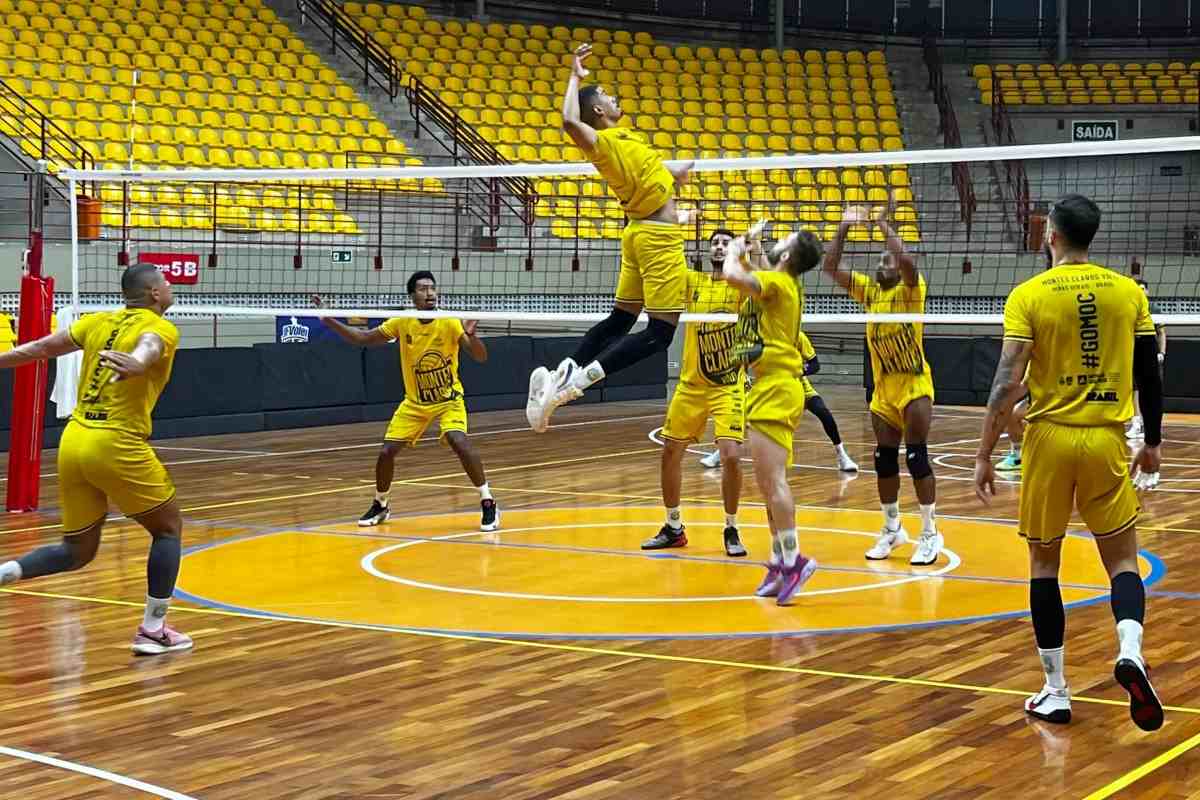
[(29, 387)]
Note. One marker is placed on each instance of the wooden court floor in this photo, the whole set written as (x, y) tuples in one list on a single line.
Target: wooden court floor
[(554, 659)]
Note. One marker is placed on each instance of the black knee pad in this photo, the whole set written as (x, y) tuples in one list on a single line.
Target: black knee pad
[(660, 333), (887, 461), (918, 460)]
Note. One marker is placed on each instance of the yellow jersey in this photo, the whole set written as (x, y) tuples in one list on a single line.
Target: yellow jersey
[(634, 171), (708, 352), (807, 351), (125, 405), (897, 348), (768, 333), (8, 333), (428, 358), (1082, 320)]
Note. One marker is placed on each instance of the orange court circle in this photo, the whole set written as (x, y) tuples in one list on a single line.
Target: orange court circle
[(580, 573)]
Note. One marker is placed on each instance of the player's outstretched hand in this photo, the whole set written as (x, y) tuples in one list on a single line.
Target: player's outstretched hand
[(985, 480), (316, 301), (885, 212), (123, 364), (855, 215), (1146, 464), (577, 67), (756, 231)]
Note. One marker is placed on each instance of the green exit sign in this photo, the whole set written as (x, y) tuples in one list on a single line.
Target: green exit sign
[(341, 256)]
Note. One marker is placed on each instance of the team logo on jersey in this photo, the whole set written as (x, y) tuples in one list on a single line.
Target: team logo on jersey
[(718, 357), (434, 378), (294, 332), (748, 347)]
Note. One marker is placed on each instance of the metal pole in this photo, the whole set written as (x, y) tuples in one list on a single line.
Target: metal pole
[(1063, 55), (480, 9), (778, 25)]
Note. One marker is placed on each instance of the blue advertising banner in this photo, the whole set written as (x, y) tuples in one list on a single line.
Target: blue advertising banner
[(302, 330)]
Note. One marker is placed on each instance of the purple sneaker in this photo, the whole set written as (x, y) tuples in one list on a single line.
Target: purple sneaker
[(164, 640), (795, 578), (771, 582)]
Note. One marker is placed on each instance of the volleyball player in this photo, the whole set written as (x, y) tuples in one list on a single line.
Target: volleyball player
[(653, 266), (767, 341), (711, 384), (1084, 332), (1136, 429), (902, 401), (432, 391), (104, 455), (815, 405)]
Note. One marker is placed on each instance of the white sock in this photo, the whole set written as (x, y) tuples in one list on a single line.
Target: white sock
[(1016, 449), (776, 552), (674, 518), (927, 523), (731, 520), (1137, 420), (1052, 665), (156, 613), (10, 572), (484, 492), (586, 376), (790, 546), (841, 450), (891, 515), (382, 498), (1129, 633)]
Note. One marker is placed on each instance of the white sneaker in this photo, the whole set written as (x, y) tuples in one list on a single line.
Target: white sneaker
[(846, 463), (929, 547), (1135, 429), (538, 380), (712, 460), (887, 542), (1050, 705)]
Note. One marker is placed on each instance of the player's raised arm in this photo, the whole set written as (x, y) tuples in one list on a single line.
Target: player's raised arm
[(355, 336), (52, 346), (1007, 388), (573, 125), (832, 265), (473, 343), (895, 245), (735, 272)]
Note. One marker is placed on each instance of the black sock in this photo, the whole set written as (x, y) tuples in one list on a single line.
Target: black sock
[(637, 347), (162, 567), (602, 334), (821, 411), (1128, 597), (1046, 608), (48, 560)]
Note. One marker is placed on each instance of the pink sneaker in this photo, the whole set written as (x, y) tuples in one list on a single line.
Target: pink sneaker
[(165, 640), (770, 582), (795, 578)]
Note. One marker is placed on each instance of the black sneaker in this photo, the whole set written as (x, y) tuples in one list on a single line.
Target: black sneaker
[(733, 543), (1144, 706), (666, 537), (378, 513), (490, 520)]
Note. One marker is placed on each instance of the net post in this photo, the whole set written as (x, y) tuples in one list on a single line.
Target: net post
[(29, 381)]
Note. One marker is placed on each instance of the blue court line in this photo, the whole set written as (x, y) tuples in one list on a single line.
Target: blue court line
[(1174, 595), (1157, 571)]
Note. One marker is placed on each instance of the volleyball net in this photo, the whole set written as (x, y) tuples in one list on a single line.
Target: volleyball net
[(541, 242)]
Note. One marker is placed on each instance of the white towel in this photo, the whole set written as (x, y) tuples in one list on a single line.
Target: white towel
[(67, 370)]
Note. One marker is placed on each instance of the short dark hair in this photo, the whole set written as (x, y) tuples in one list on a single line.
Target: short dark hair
[(720, 232), (805, 253), (1076, 218), (419, 275), (587, 99), (138, 279)]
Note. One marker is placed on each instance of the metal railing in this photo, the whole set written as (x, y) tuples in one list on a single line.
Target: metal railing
[(951, 135), (1015, 179), (27, 133), (350, 39)]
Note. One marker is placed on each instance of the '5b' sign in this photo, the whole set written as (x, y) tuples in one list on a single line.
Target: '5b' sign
[(178, 268)]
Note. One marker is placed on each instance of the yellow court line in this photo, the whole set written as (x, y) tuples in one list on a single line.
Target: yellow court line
[(600, 651), (1145, 769)]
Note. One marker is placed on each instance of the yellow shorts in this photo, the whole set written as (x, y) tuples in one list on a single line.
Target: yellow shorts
[(774, 407), (1074, 467), (411, 420), (809, 391), (691, 406), (653, 266), (893, 393), (96, 465)]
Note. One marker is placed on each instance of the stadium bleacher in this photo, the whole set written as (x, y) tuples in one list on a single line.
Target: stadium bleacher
[(1151, 83)]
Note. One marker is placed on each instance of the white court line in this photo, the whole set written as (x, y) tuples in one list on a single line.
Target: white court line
[(213, 450), (93, 772)]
